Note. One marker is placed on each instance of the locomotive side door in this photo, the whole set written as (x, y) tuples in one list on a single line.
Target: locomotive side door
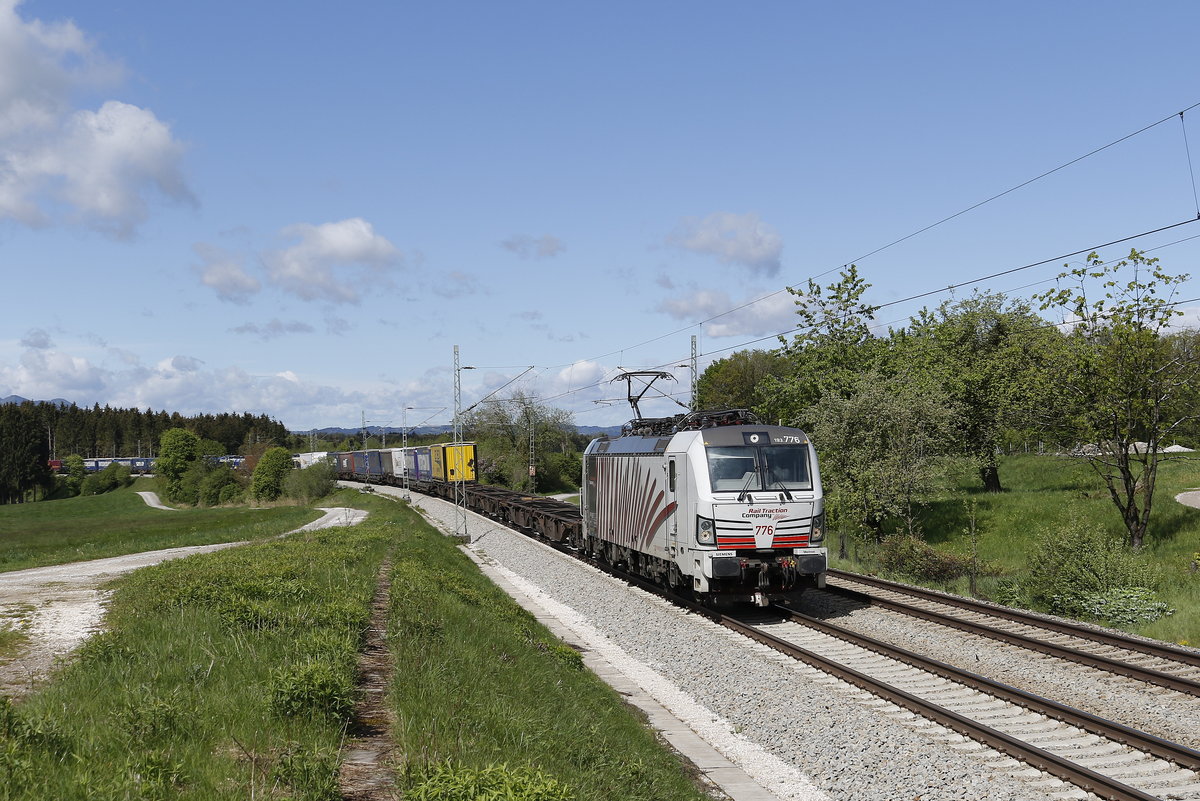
[(673, 479)]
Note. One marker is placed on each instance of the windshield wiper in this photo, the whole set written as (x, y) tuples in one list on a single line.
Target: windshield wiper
[(787, 493), (746, 487)]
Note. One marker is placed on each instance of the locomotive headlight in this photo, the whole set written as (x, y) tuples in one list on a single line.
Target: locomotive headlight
[(706, 531), (818, 529)]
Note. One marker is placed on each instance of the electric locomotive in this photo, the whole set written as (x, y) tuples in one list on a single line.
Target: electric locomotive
[(716, 502)]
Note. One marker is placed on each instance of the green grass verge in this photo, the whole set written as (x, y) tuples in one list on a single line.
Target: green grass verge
[(224, 676), (120, 522), (1048, 493), (230, 676), (487, 699)]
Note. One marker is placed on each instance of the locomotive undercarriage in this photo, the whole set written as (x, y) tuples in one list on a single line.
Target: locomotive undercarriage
[(759, 578)]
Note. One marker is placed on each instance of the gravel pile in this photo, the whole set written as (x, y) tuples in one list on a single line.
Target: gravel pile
[(850, 745)]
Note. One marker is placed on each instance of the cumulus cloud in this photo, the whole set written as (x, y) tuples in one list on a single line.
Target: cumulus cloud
[(186, 364), (49, 374), (770, 315), (528, 247), (332, 261), (38, 339), (225, 274), (741, 239), (184, 384), (273, 329), (93, 167)]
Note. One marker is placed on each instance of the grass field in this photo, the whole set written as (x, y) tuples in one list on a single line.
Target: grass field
[(1047, 493), (230, 676), (120, 522)]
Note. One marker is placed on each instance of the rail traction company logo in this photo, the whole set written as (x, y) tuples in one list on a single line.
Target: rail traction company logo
[(777, 514)]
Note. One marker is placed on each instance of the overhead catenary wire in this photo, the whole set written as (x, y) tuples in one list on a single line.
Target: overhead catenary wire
[(916, 233), (928, 293), (918, 296)]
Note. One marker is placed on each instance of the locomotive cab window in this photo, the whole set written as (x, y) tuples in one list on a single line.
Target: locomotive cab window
[(750, 468)]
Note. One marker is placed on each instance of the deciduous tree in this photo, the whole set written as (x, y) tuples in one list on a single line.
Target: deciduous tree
[(269, 474), (177, 449), (1126, 374), (981, 350)]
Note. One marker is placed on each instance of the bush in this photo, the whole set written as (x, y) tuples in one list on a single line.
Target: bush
[(110, 478), (213, 486), (1127, 606), (310, 483), (913, 557), (1086, 572), (318, 687)]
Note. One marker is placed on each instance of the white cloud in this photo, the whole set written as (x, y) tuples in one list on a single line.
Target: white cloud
[(183, 384), (528, 247), (224, 273), (319, 266), (274, 328), (38, 339), (95, 168), (186, 364), (741, 239), (49, 374), (1189, 320), (771, 315)]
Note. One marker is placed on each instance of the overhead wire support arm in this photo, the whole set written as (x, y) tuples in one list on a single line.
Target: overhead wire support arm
[(1191, 170), (628, 376)]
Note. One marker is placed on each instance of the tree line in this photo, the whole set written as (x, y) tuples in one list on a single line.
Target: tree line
[(32, 433), (1112, 380)]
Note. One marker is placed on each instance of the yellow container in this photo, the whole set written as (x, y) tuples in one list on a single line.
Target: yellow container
[(453, 462)]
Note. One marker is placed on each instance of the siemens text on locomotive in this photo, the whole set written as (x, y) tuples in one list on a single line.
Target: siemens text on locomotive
[(717, 504)]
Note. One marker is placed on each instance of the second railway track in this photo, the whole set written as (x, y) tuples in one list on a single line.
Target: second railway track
[(1156, 663), (1099, 756)]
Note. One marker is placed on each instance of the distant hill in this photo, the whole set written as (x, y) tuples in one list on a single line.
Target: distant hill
[(600, 431), (19, 399)]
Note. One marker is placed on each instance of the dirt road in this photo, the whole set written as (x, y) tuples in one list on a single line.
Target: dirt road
[(59, 606)]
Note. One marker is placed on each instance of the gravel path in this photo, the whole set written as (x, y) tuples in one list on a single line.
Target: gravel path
[(59, 606), (757, 707), (152, 500)]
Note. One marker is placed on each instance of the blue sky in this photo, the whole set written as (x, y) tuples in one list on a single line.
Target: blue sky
[(300, 208)]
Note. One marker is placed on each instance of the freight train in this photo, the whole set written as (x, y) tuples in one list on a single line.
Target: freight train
[(138, 465), (716, 504)]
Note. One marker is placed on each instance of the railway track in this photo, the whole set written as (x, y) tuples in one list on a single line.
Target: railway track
[(1156, 663), (1099, 756), (1104, 758)]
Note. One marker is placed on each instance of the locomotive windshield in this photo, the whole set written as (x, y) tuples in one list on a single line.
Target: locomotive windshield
[(758, 468)]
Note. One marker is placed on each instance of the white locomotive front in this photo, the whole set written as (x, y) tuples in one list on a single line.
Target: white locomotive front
[(714, 502)]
